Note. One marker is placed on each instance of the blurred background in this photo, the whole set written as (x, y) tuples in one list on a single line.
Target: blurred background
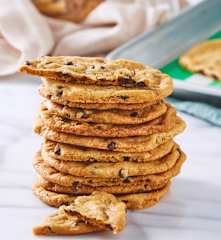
[(30, 29)]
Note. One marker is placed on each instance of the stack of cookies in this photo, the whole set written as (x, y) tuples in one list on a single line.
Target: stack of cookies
[(106, 127)]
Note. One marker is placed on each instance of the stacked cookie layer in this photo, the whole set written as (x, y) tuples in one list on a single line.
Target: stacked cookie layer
[(106, 127)]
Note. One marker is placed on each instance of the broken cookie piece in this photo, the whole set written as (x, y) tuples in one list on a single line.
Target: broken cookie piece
[(97, 212), (100, 209), (64, 223)]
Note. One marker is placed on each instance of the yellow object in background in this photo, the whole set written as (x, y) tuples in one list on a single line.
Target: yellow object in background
[(204, 58), (72, 10)]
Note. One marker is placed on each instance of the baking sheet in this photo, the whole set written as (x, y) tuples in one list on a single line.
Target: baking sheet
[(163, 45)]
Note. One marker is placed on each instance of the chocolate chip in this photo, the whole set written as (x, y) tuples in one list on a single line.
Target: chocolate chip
[(124, 97), (66, 120), (126, 180), (127, 82), (99, 127), (92, 67), (141, 84), (69, 63), (201, 72), (111, 146), (134, 114), (49, 229), (57, 149), (214, 76), (27, 63), (71, 212), (102, 67), (67, 115), (44, 108), (126, 158), (65, 75), (110, 227), (59, 93)]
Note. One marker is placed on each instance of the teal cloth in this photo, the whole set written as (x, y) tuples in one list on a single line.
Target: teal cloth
[(200, 110)]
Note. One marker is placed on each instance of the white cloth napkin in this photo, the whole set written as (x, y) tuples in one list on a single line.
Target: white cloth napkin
[(27, 34)]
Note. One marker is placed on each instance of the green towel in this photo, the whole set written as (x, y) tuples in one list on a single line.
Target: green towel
[(200, 110)]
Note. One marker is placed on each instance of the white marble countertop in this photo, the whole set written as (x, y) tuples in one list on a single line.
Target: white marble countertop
[(191, 210)]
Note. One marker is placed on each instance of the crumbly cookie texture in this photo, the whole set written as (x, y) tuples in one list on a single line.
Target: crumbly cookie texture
[(81, 93), (204, 58), (99, 71), (52, 175), (64, 222), (67, 152), (132, 201), (114, 170), (113, 116), (129, 144), (66, 125), (101, 209), (98, 211)]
